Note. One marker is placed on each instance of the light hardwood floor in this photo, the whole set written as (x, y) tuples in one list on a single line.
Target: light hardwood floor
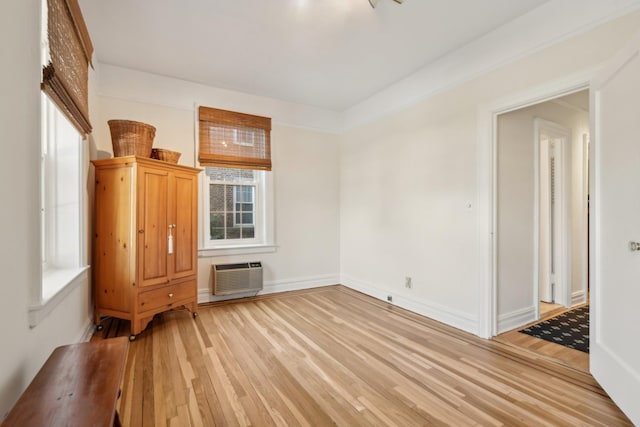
[(332, 356), (547, 308), (572, 358)]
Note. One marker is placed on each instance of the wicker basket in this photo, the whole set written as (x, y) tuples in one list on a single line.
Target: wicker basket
[(165, 155), (131, 138)]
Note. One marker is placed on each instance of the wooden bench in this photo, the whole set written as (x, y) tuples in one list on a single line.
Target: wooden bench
[(78, 385)]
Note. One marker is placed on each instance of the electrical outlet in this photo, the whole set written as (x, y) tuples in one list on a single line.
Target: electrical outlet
[(389, 298), (407, 282)]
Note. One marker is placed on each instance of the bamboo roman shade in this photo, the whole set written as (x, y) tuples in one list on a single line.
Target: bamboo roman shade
[(65, 77), (234, 140)]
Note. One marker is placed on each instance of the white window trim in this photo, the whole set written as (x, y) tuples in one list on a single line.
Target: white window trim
[(258, 232), (66, 281), (236, 250), (62, 280), (264, 224)]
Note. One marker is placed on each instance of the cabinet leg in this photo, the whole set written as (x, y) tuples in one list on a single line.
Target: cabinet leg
[(194, 307), (97, 320)]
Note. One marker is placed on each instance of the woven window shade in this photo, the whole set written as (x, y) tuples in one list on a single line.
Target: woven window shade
[(65, 77), (234, 140)]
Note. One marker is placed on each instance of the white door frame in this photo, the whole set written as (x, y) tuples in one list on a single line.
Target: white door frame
[(486, 161), (583, 296), (562, 239)]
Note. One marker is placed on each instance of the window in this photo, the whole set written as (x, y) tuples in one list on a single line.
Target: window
[(235, 151), (66, 52), (61, 200), (232, 203), (238, 209)]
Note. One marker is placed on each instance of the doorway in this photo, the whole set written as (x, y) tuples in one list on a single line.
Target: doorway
[(541, 194), (542, 225), (552, 141)]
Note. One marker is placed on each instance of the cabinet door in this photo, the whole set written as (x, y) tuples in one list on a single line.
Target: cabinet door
[(184, 205), (114, 238), (153, 226)]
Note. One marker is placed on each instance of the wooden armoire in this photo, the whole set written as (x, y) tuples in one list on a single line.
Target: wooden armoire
[(145, 245)]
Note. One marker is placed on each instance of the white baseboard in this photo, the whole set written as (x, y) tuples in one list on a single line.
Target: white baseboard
[(274, 286), (457, 319), (515, 319), (299, 283), (578, 297), (87, 332)]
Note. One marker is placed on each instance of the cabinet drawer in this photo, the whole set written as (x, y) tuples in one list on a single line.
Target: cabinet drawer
[(166, 296)]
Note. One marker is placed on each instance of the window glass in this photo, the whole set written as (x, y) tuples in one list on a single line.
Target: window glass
[(232, 203), (61, 196)]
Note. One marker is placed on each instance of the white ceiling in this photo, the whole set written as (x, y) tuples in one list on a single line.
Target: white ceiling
[(326, 53)]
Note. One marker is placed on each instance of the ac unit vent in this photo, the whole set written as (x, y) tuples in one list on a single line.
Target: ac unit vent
[(235, 278)]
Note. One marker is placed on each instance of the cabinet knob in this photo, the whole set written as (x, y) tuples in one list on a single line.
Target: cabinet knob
[(170, 295)]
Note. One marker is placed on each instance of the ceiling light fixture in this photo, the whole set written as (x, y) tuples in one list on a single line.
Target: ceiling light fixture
[(373, 3)]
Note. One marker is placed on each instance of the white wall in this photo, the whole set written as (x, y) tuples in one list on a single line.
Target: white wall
[(406, 186), (516, 206), (25, 349), (305, 167), (407, 181)]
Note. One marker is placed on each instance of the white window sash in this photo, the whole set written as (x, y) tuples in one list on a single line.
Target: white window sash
[(241, 212), (258, 212)]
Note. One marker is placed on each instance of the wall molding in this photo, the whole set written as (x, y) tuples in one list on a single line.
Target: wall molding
[(87, 331), (516, 319), (578, 297), (120, 83), (274, 286), (455, 318), (541, 28)]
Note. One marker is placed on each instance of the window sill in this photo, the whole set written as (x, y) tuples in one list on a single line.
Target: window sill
[(235, 250), (56, 285)]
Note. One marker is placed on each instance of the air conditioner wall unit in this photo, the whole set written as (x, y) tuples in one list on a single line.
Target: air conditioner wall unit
[(236, 278)]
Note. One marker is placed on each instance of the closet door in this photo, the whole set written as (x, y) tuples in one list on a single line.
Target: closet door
[(153, 226)]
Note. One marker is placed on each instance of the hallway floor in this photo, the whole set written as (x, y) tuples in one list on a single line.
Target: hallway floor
[(573, 358)]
